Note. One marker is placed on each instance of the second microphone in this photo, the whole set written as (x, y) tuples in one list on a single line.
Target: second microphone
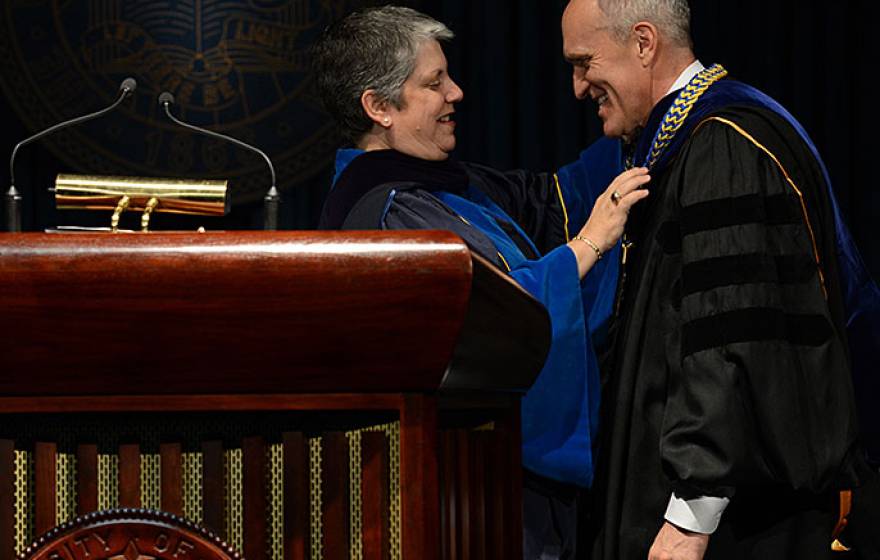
[(272, 200)]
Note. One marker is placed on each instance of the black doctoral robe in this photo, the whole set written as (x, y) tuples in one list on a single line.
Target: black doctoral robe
[(728, 372)]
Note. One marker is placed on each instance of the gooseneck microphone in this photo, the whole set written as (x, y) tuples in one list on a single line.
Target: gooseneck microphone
[(13, 198), (272, 200)]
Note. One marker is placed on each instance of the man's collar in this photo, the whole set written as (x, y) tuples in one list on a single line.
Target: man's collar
[(695, 68)]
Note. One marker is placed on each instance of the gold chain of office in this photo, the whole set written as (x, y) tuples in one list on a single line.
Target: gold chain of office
[(681, 108)]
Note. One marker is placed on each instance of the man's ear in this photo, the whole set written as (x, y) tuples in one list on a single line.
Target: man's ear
[(646, 41), (376, 108)]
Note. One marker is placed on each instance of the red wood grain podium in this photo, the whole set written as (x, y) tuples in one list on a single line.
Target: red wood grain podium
[(409, 324)]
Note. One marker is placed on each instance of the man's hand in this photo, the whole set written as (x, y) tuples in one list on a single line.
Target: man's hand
[(673, 543)]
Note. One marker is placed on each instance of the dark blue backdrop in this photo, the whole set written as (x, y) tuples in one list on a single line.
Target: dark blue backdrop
[(518, 108)]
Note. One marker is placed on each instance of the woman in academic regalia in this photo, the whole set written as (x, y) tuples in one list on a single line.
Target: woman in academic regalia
[(383, 76)]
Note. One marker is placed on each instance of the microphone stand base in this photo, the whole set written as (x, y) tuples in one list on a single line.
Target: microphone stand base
[(271, 207), (13, 210)]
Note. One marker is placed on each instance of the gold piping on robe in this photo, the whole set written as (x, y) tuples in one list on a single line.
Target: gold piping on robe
[(562, 203), (500, 256), (800, 195)]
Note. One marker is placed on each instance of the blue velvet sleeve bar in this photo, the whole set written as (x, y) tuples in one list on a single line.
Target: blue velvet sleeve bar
[(585, 179), (581, 183), (560, 411)]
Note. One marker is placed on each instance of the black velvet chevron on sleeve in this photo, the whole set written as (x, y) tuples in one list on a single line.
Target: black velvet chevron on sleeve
[(761, 393)]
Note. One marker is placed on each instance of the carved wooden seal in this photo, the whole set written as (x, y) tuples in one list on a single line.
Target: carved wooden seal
[(129, 534)]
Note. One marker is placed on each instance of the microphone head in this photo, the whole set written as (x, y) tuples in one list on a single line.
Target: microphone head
[(166, 98), (128, 86)]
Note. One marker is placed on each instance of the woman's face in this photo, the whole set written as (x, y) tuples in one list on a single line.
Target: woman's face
[(424, 127)]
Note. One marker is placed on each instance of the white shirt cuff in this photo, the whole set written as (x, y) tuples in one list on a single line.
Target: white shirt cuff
[(699, 515)]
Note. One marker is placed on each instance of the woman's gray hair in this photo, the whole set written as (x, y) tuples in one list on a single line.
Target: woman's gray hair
[(672, 17), (376, 49)]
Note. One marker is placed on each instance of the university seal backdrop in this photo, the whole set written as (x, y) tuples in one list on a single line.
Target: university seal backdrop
[(238, 67)]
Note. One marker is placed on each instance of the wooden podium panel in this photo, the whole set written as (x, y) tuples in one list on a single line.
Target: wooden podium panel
[(179, 313), (324, 332)]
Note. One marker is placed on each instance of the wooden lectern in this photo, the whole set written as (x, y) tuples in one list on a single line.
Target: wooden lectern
[(286, 390)]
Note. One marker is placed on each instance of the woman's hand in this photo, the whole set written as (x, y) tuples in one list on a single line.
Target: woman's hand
[(605, 224)]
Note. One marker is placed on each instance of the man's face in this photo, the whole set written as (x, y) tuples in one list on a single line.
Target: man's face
[(606, 70)]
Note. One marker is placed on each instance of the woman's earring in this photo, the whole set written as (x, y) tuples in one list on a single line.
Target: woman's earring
[(386, 121)]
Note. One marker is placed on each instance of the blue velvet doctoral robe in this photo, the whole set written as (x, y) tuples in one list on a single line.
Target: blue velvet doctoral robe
[(521, 221)]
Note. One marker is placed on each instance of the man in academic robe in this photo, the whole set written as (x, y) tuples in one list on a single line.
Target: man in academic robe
[(728, 426)]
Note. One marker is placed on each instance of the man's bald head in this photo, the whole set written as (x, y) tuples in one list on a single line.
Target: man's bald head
[(672, 17)]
